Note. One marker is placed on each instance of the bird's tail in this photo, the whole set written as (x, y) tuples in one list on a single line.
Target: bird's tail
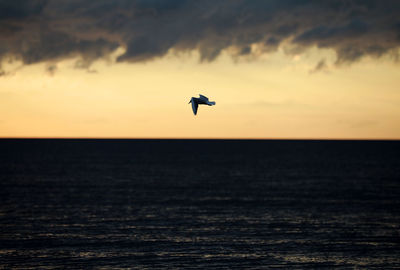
[(211, 103)]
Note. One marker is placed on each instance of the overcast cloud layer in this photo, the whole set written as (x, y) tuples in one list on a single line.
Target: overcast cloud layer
[(50, 30)]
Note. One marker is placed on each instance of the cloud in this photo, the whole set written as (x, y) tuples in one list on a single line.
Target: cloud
[(51, 69), (50, 30), (321, 65)]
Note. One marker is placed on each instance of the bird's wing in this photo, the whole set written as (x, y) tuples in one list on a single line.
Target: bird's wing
[(194, 107), (203, 97)]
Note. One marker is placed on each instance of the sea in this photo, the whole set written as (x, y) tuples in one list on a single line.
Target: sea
[(199, 204)]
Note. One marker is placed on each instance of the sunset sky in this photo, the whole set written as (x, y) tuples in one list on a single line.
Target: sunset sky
[(127, 69)]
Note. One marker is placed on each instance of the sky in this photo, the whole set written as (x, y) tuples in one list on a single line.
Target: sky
[(127, 69)]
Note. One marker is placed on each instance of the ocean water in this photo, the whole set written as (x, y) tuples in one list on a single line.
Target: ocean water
[(196, 204)]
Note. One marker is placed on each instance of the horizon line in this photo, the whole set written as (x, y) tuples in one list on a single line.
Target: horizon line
[(201, 138)]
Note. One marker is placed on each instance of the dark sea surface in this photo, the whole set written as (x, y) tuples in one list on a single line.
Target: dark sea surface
[(195, 204)]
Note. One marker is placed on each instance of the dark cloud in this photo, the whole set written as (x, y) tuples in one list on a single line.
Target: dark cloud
[(51, 69), (49, 30), (245, 50), (19, 9), (321, 65), (330, 34)]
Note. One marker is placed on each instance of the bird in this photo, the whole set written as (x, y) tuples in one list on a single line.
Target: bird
[(200, 100)]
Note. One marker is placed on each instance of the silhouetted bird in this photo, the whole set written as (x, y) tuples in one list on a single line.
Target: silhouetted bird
[(201, 100)]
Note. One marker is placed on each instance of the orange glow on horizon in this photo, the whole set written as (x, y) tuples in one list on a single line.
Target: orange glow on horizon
[(274, 97)]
